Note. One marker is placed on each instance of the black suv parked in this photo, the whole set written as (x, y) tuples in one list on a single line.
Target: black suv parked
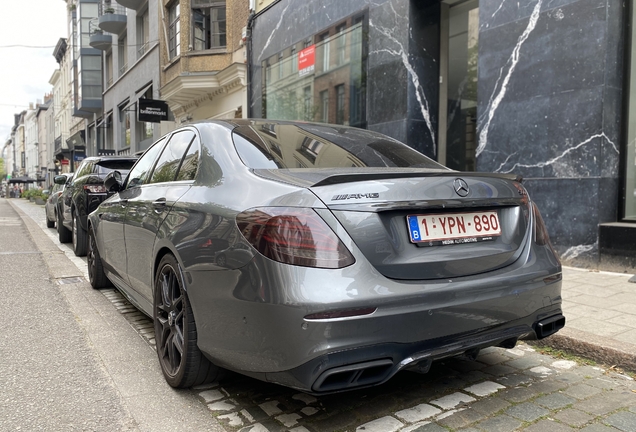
[(85, 192)]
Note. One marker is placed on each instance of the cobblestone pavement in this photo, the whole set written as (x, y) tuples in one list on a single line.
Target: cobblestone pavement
[(503, 390)]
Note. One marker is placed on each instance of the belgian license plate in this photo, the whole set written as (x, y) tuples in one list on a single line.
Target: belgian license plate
[(454, 228)]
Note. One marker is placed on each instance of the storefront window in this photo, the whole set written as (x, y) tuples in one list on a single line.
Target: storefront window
[(322, 78), (124, 126)]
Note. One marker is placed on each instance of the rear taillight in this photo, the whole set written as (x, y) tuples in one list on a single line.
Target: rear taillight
[(95, 188), (540, 232), (294, 236)]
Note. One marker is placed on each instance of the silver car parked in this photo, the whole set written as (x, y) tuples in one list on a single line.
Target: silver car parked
[(50, 206), (320, 257)]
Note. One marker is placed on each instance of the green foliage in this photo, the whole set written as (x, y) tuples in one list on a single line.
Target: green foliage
[(34, 193)]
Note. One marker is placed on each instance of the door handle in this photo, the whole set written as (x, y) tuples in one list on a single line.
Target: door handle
[(159, 204)]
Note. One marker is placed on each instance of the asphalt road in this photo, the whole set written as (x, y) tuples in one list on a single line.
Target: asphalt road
[(84, 359)]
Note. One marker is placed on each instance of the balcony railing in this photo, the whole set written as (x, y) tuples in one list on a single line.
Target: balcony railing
[(112, 17), (124, 152), (142, 49), (132, 4)]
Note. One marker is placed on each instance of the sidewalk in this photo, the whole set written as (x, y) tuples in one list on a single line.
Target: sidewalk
[(600, 312)]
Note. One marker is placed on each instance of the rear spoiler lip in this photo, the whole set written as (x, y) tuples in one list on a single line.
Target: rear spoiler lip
[(349, 178)]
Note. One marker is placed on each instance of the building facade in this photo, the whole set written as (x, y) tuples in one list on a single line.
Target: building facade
[(62, 107), (128, 35), (534, 88), (203, 70), (45, 158), (31, 143)]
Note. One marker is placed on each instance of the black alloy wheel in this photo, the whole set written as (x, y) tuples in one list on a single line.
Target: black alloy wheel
[(96, 274), (80, 242), (181, 361), (63, 233)]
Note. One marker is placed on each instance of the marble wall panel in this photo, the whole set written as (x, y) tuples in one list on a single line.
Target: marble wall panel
[(575, 134), (568, 207), (520, 143), (609, 161), (423, 87), (495, 13), (419, 137), (387, 97), (395, 129)]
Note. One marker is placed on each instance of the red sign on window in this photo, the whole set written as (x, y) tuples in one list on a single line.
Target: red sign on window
[(306, 60)]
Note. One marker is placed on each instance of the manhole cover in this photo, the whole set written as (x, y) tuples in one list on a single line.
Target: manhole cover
[(71, 280)]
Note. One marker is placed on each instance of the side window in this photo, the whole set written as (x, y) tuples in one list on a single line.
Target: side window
[(190, 162), (84, 169), (139, 173), (169, 161)]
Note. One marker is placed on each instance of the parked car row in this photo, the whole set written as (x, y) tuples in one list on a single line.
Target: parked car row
[(320, 257), (50, 206), (81, 193)]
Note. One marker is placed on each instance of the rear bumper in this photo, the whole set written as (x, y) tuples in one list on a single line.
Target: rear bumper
[(373, 365), (259, 319)]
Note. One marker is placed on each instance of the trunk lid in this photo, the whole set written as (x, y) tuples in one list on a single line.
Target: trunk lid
[(373, 206)]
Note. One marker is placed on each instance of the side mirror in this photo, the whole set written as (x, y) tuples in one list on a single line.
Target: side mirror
[(113, 181), (60, 179)]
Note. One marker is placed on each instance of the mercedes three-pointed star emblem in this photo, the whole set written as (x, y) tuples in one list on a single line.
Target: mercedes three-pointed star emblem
[(461, 187)]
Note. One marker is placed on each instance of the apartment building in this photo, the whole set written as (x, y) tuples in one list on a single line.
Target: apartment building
[(127, 34), (203, 61), (62, 108), (44, 157), (31, 159), (18, 136)]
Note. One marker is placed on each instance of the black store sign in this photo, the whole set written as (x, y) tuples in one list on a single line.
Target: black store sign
[(152, 111)]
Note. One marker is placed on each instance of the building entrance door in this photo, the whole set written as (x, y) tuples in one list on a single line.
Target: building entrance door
[(458, 83)]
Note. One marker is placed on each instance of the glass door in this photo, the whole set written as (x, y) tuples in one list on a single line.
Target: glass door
[(629, 161), (458, 84)]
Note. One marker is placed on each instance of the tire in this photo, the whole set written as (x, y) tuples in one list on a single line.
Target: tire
[(80, 239), (63, 234), (96, 274), (49, 223), (182, 363)]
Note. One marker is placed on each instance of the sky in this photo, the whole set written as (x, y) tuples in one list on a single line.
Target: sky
[(25, 72)]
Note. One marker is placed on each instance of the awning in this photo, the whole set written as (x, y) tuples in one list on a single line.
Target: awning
[(77, 139), (22, 179)]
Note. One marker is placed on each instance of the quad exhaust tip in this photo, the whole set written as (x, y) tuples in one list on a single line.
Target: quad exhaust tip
[(549, 326), (352, 376)]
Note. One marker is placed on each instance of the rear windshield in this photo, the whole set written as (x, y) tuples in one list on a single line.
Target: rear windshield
[(123, 166), (263, 145)]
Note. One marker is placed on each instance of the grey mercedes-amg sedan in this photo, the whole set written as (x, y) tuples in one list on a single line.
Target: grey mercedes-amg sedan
[(320, 257)]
